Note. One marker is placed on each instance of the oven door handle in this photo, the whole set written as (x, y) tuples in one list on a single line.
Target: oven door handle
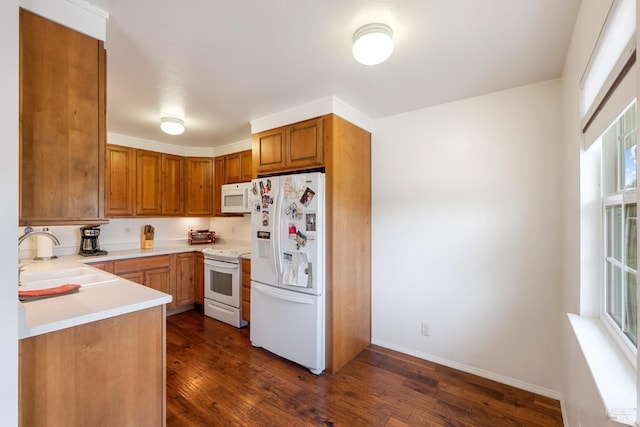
[(217, 264)]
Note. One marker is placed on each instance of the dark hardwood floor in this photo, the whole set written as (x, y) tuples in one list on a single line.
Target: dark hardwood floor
[(216, 378)]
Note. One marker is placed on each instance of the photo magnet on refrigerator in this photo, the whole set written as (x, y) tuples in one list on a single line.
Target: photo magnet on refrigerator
[(307, 196)]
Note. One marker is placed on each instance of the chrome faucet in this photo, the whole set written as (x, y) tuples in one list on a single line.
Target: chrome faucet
[(20, 270), (38, 233)]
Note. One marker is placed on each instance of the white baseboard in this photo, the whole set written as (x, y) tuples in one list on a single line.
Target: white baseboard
[(553, 394)]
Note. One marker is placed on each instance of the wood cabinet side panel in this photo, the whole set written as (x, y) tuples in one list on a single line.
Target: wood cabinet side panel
[(246, 289), (348, 167), (199, 278), (109, 373)]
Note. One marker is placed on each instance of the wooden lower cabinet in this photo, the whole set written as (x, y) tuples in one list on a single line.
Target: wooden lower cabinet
[(156, 272), (185, 279), (105, 373), (199, 279), (246, 289), (176, 274)]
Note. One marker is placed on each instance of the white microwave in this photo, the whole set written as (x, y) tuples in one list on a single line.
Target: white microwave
[(235, 197)]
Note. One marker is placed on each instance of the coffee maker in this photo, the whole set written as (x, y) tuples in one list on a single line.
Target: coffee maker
[(89, 245)]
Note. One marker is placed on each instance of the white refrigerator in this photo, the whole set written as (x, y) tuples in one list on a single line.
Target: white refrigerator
[(287, 267)]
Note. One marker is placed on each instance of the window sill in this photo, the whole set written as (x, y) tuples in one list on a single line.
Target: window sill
[(611, 371)]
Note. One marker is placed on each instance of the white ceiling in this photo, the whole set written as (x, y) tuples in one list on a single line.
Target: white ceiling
[(223, 63)]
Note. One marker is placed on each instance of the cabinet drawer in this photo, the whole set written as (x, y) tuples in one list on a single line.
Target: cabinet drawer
[(136, 264)]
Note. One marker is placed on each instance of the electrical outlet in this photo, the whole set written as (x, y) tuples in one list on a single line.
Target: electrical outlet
[(425, 329)]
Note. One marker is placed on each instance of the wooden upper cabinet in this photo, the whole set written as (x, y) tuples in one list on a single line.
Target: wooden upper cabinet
[(148, 183), (199, 190), (230, 169), (268, 150), (233, 168), (120, 181), (237, 167), (304, 144), (219, 180), (294, 147), (246, 162), (172, 185), (62, 124)]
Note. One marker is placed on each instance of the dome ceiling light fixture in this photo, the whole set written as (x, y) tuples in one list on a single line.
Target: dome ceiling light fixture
[(372, 43), (172, 125)]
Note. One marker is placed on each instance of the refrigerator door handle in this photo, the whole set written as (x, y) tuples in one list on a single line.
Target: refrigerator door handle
[(276, 228), (277, 295)]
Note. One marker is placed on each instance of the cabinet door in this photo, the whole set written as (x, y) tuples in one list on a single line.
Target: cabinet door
[(233, 168), (199, 191), (199, 279), (246, 159), (185, 279), (148, 183), (172, 185), (160, 280), (219, 180), (62, 124), (134, 276), (304, 144), (120, 181), (268, 150)]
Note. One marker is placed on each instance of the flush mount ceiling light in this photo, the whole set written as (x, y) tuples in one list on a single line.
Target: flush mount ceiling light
[(372, 43), (172, 125)]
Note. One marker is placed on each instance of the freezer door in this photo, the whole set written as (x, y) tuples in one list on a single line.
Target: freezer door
[(289, 324), (264, 238)]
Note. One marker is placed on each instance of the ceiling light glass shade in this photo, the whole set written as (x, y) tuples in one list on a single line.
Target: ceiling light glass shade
[(171, 125), (372, 43)]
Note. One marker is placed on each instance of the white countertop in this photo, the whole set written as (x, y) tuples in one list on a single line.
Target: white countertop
[(160, 249), (88, 305), (96, 302)]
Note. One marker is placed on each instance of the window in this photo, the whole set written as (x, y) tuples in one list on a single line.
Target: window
[(619, 183)]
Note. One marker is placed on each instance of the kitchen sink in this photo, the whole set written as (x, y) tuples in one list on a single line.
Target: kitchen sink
[(83, 276)]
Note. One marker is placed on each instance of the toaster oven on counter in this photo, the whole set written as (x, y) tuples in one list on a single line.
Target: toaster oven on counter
[(198, 237)]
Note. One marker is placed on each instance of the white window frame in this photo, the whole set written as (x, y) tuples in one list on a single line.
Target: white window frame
[(626, 198)]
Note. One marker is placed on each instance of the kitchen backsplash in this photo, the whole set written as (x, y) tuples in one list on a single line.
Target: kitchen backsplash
[(122, 234)]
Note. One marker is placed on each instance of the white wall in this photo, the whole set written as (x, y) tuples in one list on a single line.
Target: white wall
[(9, 213), (466, 234), (582, 403)]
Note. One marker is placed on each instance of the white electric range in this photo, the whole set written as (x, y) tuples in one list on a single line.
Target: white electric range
[(223, 284)]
